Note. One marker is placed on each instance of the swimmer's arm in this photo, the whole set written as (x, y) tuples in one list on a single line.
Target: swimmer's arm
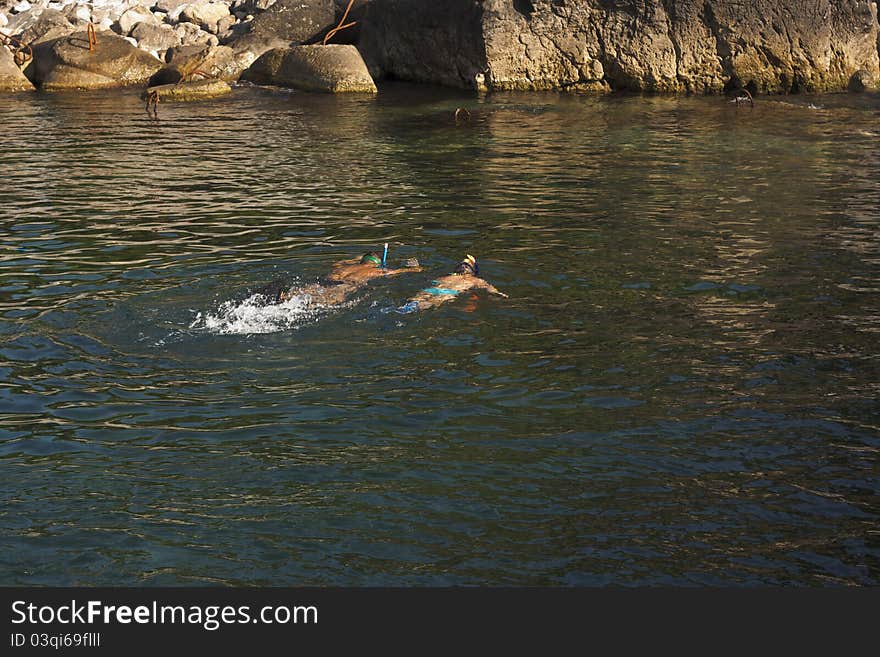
[(493, 290), (395, 272)]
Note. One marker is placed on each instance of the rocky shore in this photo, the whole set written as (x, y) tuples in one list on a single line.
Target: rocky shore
[(693, 46), (86, 44)]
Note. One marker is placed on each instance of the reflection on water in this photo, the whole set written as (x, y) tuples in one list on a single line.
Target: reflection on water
[(681, 389)]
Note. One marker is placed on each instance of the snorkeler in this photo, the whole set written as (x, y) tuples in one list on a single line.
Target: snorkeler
[(463, 278), (347, 277)]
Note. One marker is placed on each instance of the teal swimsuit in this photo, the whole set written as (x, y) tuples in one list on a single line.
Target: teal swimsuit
[(440, 291), (413, 306)]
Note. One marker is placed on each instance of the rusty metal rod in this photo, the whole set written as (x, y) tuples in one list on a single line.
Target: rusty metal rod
[(21, 52), (93, 38), (340, 27)]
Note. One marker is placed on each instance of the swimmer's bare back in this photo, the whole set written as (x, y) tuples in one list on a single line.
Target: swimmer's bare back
[(346, 277), (446, 289)]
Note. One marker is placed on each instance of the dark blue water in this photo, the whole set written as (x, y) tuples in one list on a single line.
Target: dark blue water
[(681, 389)]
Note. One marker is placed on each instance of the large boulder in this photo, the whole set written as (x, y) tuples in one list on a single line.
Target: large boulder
[(656, 45), (331, 68), (67, 63), (284, 23), (11, 77)]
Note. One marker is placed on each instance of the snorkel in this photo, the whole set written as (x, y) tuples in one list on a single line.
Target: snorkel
[(385, 255)]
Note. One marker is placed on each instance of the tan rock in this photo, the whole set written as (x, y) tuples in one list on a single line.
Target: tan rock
[(187, 91), (207, 15), (67, 63), (284, 23), (219, 62), (693, 46), (49, 25), (330, 68), (11, 77), (134, 16), (151, 36)]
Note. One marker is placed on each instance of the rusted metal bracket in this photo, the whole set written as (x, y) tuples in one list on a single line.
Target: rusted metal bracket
[(93, 38), (21, 52), (152, 102)]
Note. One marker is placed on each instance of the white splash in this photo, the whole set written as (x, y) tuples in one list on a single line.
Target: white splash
[(254, 315)]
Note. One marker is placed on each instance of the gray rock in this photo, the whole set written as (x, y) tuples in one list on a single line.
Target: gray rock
[(191, 34), (251, 6), (159, 37), (862, 80), (285, 23), (225, 24), (331, 68), (440, 42), (209, 61), (657, 45), (49, 25), (133, 16), (67, 63), (167, 6), (11, 77), (205, 14), (76, 13)]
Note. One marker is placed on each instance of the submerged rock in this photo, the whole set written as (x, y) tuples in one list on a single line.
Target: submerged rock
[(67, 63), (862, 80), (331, 68), (11, 77), (186, 91)]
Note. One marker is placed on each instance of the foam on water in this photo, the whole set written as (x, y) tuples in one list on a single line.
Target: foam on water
[(254, 315)]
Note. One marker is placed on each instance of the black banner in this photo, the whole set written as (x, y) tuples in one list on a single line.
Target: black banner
[(107, 620)]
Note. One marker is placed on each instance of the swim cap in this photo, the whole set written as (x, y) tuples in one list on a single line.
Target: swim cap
[(371, 257), (468, 266)]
